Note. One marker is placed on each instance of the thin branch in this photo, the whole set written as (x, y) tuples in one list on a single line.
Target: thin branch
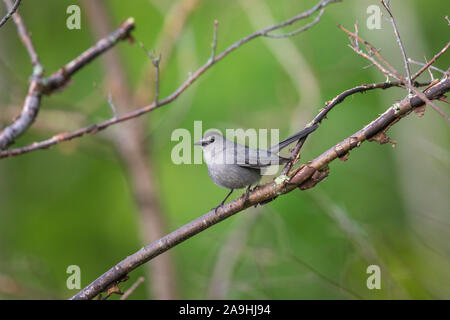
[(26, 40), (301, 177), (132, 288), (356, 32), (64, 74), (302, 29), (433, 60), (444, 100), (355, 47), (10, 12), (59, 79), (424, 64), (156, 62), (429, 70), (399, 41), (214, 43), (111, 105), (175, 20), (32, 101)]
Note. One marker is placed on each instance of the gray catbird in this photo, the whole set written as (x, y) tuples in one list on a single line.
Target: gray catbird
[(235, 166)]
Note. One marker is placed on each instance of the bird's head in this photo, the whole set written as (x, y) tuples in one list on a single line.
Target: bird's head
[(211, 138)]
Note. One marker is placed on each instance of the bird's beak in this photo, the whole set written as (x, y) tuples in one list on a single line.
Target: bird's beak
[(198, 143)]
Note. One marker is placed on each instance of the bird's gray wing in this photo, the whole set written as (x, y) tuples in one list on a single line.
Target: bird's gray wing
[(256, 158)]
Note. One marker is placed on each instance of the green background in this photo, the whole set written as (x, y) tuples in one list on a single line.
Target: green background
[(72, 204)]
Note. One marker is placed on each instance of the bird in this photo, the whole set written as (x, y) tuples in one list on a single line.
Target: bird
[(235, 166)]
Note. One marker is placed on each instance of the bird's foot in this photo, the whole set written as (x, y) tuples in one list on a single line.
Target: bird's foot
[(223, 201), (246, 195)]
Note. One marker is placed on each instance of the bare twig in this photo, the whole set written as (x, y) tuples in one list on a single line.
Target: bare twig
[(214, 43), (26, 40), (127, 293), (429, 70), (63, 75), (156, 62), (399, 41), (444, 100), (424, 64), (355, 47), (300, 177), (302, 29), (11, 10), (356, 32), (32, 102), (175, 20), (429, 63), (111, 104), (59, 78)]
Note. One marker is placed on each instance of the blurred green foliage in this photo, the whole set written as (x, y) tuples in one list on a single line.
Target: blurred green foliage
[(72, 204)]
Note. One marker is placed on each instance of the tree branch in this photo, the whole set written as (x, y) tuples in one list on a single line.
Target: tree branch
[(64, 74), (40, 85), (433, 60), (32, 102), (11, 10)]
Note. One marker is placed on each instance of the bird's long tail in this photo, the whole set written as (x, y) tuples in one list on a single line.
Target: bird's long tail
[(283, 144)]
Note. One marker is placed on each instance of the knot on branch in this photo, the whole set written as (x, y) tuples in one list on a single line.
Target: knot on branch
[(316, 177)]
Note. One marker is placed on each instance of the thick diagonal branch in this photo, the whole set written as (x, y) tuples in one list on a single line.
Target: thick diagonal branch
[(32, 102)]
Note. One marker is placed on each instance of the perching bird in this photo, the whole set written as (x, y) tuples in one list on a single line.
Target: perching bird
[(235, 166)]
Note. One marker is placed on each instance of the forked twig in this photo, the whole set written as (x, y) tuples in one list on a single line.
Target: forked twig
[(395, 72)]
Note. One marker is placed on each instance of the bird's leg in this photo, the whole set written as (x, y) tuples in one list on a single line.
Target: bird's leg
[(247, 193), (223, 201)]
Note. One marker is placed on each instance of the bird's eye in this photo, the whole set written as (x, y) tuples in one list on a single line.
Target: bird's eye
[(212, 139)]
